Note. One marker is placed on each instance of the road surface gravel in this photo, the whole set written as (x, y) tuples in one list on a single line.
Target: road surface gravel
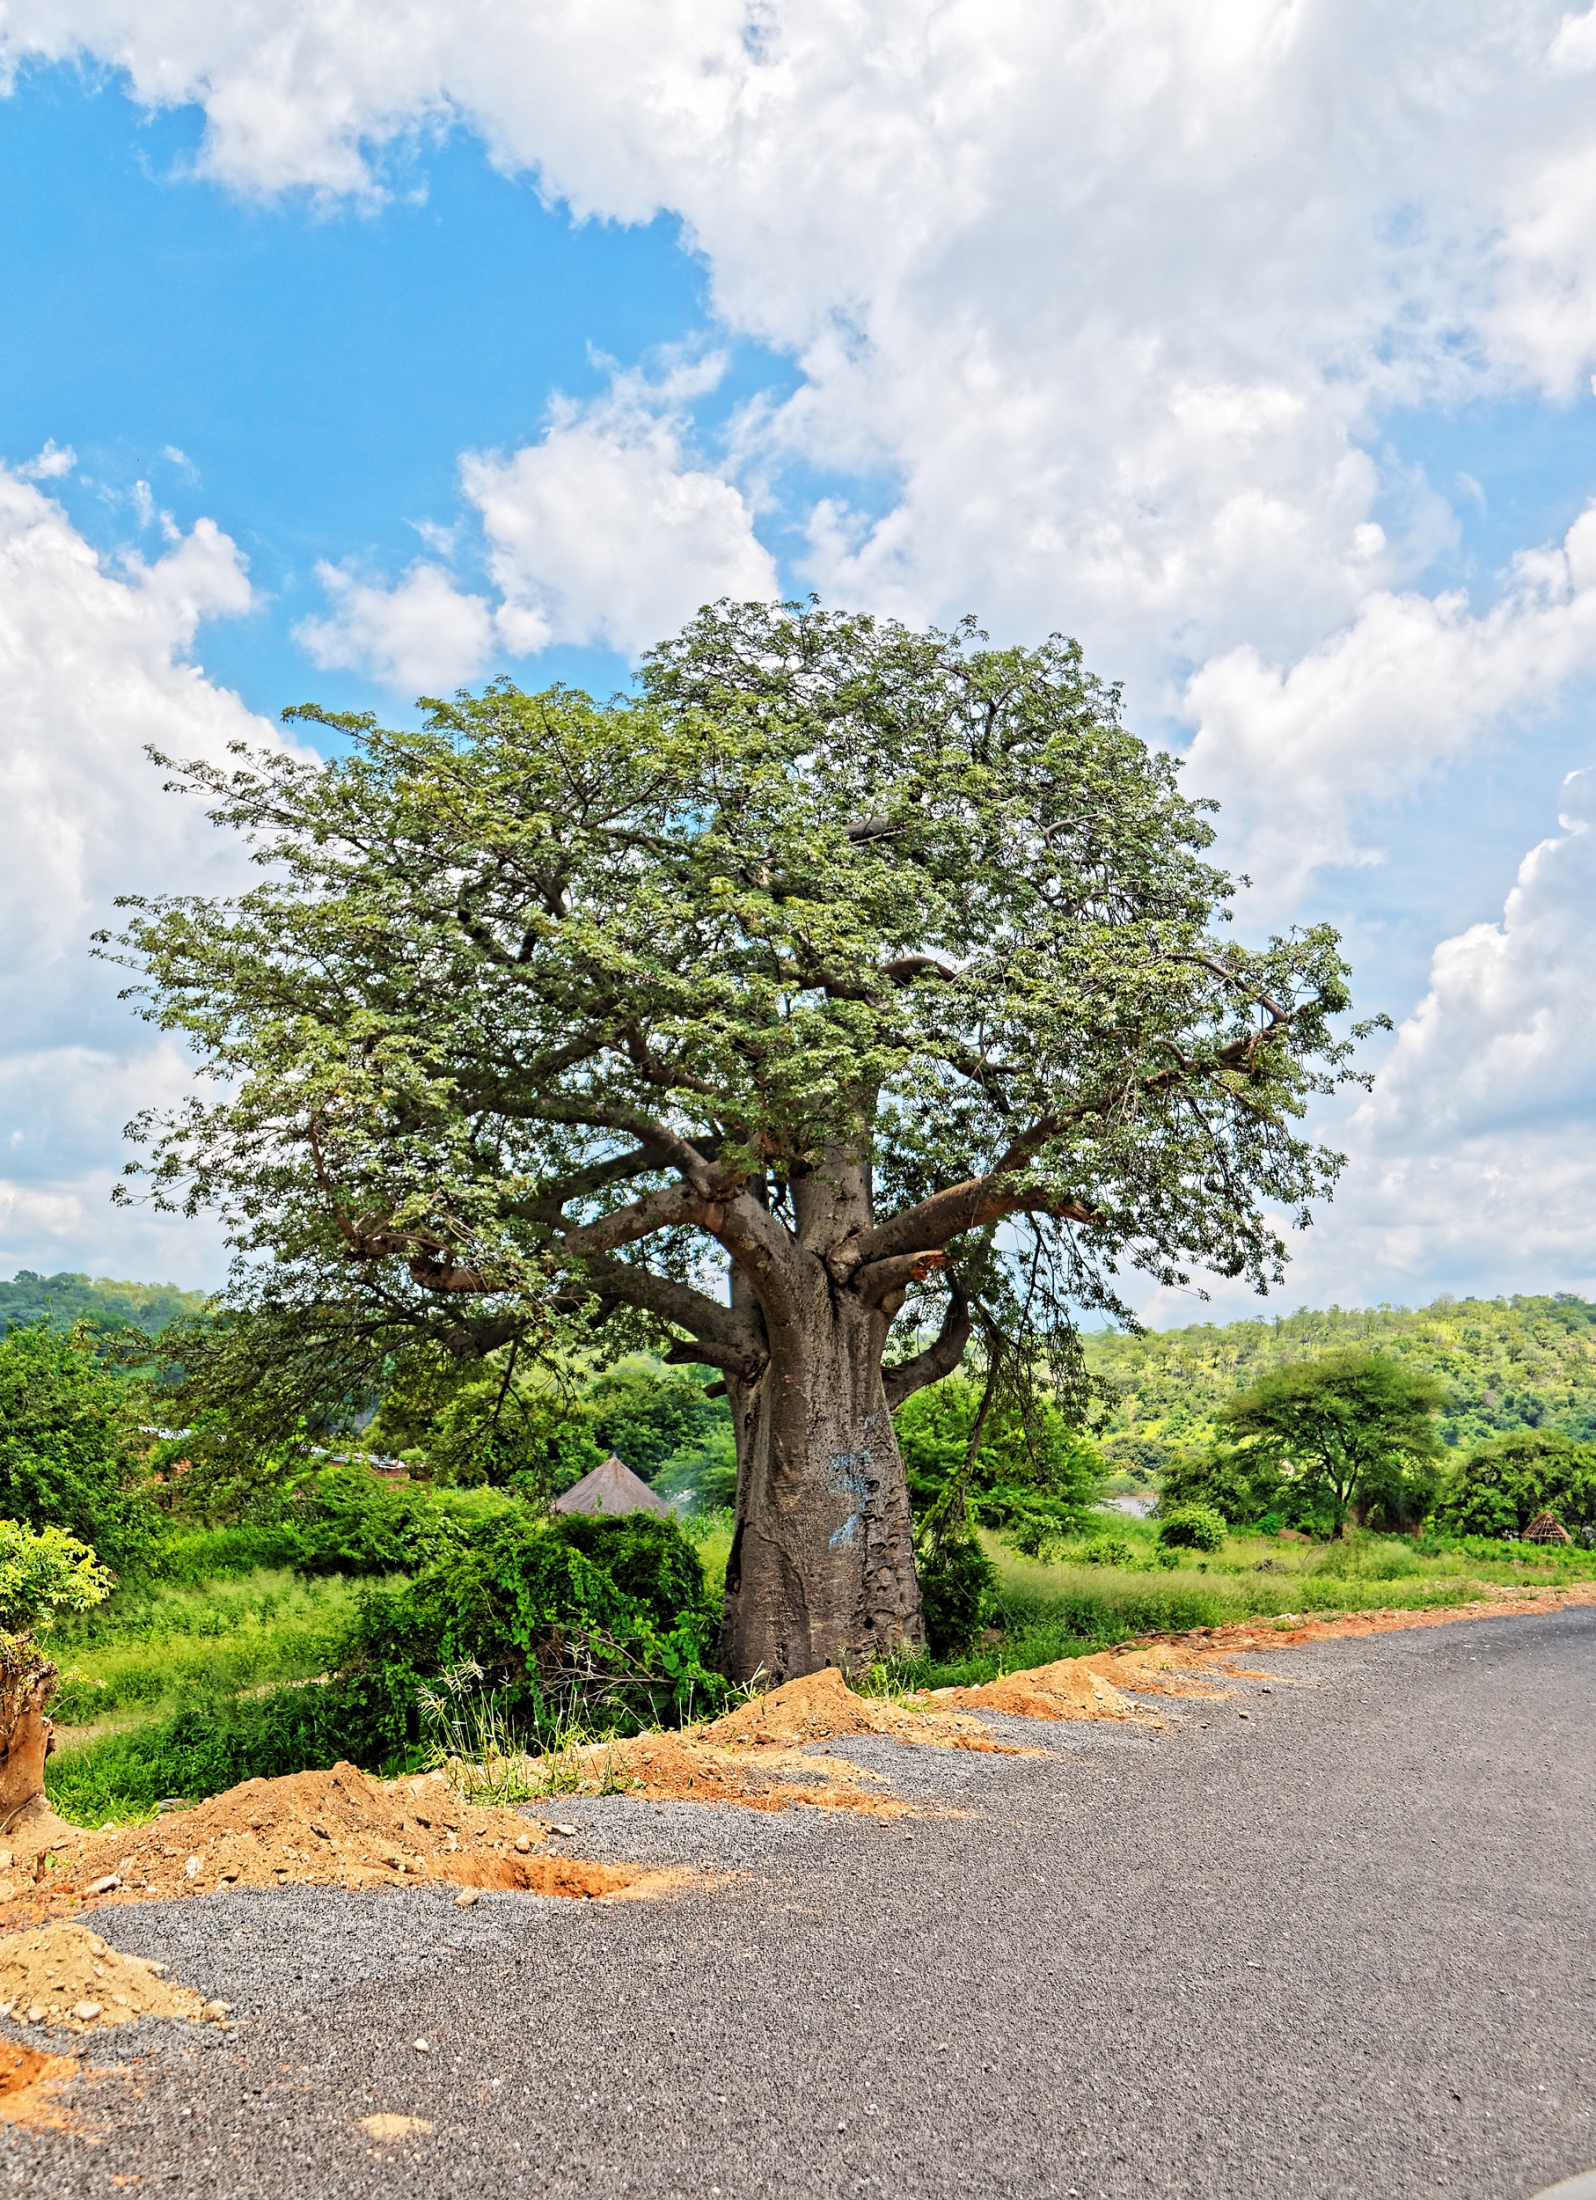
[(1340, 1947)]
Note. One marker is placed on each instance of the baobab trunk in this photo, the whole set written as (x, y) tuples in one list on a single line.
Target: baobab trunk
[(821, 1570)]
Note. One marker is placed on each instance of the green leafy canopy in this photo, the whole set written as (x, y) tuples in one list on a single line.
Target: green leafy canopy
[(540, 1013), (1357, 1424)]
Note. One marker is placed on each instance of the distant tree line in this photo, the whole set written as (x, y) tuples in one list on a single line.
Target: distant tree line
[(1503, 1366), (62, 1301)]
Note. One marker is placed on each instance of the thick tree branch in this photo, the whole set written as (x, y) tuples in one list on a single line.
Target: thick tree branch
[(903, 968), (672, 1206), (939, 1358), (721, 1338), (878, 1279), (948, 1214)]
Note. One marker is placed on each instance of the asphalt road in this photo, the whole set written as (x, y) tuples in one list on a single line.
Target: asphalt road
[(1341, 1947)]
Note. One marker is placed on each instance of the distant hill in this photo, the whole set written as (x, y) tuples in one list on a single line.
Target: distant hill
[(65, 1299), (1506, 1364)]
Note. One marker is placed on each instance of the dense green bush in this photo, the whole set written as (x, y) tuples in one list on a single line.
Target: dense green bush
[(602, 1620), (347, 1520), (958, 1585), (572, 1616), (1500, 1487), (1190, 1528), (187, 1556), (1245, 1488)]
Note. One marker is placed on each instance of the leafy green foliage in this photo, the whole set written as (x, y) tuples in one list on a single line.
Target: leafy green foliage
[(497, 1422), (1498, 1488), (543, 1009), (1191, 1528), (44, 1574), (958, 1585), (70, 1451), (651, 1419), (601, 1620), (702, 1480), (1355, 1427), (605, 1613), (1244, 1486), (1503, 1364), (218, 1740)]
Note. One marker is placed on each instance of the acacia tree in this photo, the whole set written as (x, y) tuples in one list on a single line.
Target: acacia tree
[(840, 970), (1356, 1427)]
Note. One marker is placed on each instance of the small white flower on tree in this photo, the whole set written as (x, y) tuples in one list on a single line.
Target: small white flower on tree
[(839, 976)]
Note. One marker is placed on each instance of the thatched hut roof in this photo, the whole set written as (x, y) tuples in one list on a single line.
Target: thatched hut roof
[(1546, 1528), (611, 1488)]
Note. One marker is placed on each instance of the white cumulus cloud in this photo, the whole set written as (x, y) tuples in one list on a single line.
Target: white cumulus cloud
[(421, 636), (1302, 754), (1472, 1162), (604, 531), (94, 664), (1107, 297)]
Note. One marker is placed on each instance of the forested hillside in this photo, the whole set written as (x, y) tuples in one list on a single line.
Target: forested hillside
[(1506, 1364), (65, 1299)]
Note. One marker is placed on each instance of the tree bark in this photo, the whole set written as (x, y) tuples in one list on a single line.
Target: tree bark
[(821, 1570), (26, 1738)]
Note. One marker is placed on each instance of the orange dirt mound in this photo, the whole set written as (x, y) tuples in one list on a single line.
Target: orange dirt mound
[(1066, 1689), (760, 1756), (683, 1768), (333, 1829), (821, 1707), (66, 1975)]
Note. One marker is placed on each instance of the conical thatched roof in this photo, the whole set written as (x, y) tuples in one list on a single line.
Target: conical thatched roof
[(1546, 1528), (611, 1488)]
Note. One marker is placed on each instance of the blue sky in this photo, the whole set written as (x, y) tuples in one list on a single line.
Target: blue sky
[(389, 365)]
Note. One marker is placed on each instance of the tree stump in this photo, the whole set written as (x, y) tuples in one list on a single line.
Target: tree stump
[(27, 1736)]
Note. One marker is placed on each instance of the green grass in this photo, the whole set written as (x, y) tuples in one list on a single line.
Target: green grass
[(159, 1648), (712, 1535)]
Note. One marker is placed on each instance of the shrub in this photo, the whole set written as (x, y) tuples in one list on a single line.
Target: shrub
[(345, 1520), (1108, 1550), (958, 1584), (1357, 1556), (604, 1619), (1191, 1528)]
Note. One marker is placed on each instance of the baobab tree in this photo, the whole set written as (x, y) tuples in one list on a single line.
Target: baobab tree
[(841, 978)]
